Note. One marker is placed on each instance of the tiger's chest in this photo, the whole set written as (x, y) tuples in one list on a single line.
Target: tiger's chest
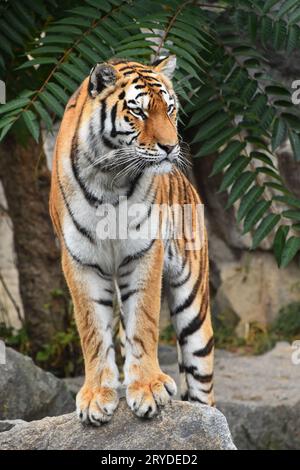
[(107, 233)]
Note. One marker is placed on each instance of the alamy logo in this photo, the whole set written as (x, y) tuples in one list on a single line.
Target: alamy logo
[(2, 353), (2, 92), (296, 93)]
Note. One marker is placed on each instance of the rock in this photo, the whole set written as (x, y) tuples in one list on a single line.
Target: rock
[(254, 289), (259, 396), (27, 392), (11, 307), (180, 425), (7, 424)]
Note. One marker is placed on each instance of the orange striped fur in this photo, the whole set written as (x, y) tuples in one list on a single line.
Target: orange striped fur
[(118, 144)]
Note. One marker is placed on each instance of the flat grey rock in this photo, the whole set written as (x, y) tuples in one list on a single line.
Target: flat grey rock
[(8, 424), (180, 426), (27, 392), (260, 398)]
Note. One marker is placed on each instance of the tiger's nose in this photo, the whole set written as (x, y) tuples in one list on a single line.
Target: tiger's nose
[(167, 148)]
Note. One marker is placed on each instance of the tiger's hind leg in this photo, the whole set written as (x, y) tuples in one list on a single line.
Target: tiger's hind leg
[(98, 397), (188, 294)]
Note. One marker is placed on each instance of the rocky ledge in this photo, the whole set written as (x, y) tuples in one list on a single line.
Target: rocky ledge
[(180, 425)]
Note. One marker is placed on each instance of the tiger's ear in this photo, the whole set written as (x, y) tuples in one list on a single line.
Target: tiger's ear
[(166, 65), (101, 76)]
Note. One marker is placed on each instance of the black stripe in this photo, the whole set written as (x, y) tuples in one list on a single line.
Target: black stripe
[(184, 280), (209, 390), (128, 294), (133, 186), (126, 67), (123, 286), (106, 303), (127, 273), (206, 350), (190, 299), (86, 233), (193, 326), (96, 267), (103, 115), (90, 198), (113, 115), (109, 143), (185, 397), (202, 378), (192, 398), (143, 93), (137, 255), (130, 72)]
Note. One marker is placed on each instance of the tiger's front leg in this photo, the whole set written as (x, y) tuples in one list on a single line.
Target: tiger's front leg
[(147, 386), (92, 299)]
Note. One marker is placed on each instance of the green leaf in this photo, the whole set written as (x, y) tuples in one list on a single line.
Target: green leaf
[(5, 130), (215, 143), (279, 34), (292, 214), (248, 201), (239, 187), (293, 37), (233, 149), (5, 120), (73, 72), (289, 251), (11, 33), (68, 29), (67, 82), (291, 201), (279, 242), (286, 6), (52, 103), (269, 172), (255, 214), (277, 186), (262, 157), (211, 127), (12, 105), (43, 114), (233, 171), (268, 5), (32, 124), (202, 114), (264, 228), (47, 50), (279, 133), (295, 143), (58, 92), (294, 16), (266, 30), (37, 61)]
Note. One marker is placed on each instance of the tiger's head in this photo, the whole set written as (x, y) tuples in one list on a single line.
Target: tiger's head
[(131, 114)]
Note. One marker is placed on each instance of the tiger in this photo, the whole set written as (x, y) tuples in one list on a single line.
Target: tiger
[(118, 144)]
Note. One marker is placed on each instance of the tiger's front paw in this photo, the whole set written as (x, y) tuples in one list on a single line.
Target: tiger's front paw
[(96, 405), (144, 397)]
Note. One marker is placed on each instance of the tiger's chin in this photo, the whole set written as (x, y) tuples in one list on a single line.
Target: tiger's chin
[(161, 168)]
